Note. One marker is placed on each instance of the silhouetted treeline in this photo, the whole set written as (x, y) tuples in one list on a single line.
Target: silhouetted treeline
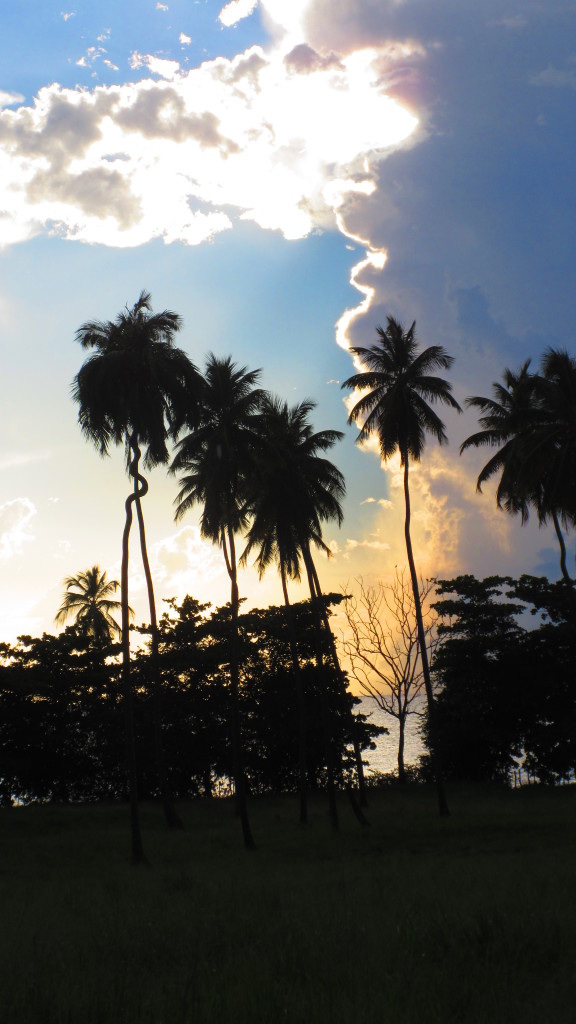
[(61, 724), (505, 676)]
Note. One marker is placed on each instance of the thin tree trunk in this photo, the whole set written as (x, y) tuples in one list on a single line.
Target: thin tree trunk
[(402, 727), (302, 772), (565, 573), (442, 802), (138, 856), (324, 721), (239, 779), (171, 816)]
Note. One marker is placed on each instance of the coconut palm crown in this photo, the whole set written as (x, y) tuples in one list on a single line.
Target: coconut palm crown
[(531, 421), (136, 384), (294, 489), (213, 459), (505, 419), (399, 388), (551, 447), (88, 599)]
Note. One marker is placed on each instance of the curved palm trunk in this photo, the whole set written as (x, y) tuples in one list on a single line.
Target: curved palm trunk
[(237, 758), (442, 803), (324, 717), (138, 856), (172, 818), (302, 769), (565, 574), (363, 800)]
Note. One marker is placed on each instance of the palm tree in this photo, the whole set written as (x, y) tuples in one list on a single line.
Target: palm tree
[(88, 600), (550, 448), (135, 389), (523, 421), (293, 491), (395, 406), (214, 462)]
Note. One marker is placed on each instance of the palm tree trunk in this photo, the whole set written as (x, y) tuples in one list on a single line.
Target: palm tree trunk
[(237, 759), (401, 769), (565, 573), (138, 856), (171, 816), (302, 771), (324, 718), (442, 802)]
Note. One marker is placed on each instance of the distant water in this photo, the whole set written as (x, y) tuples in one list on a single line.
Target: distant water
[(385, 757)]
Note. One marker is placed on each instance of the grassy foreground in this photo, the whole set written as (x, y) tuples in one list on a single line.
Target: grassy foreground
[(411, 921)]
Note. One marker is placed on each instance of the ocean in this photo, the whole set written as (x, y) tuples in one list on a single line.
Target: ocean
[(385, 757)]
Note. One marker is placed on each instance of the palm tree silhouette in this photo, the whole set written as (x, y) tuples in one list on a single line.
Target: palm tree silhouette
[(293, 491), (525, 420), (88, 599), (135, 389), (550, 448), (398, 389), (214, 462), (505, 418)]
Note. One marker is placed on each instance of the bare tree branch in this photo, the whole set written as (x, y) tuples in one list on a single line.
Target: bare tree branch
[(381, 644)]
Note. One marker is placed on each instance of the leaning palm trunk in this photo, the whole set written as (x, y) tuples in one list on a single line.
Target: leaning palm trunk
[(300, 704), (565, 574), (324, 717), (173, 819), (138, 856), (237, 758), (436, 766)]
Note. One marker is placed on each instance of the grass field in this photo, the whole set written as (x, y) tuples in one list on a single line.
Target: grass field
[(414, 920)]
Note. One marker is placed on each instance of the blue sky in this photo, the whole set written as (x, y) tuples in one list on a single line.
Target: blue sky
[(241, 163), (43, 42)]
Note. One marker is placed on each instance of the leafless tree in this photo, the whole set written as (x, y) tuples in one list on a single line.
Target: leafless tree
[(381, 645)]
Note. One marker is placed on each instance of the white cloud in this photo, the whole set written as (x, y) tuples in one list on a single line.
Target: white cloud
[(184, 39), (373, 545), (557, 78), (8, 99), (185, 563), (383, 502), (15, 519), (67, 14), (249, 135), (156, 65), (161, 7), (94, 54), (235, 11)]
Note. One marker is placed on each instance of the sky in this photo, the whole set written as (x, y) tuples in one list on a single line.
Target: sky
[(284, 174)]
